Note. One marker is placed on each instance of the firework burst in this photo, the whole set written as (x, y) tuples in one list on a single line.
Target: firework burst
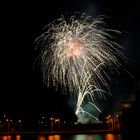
[(75, 54)]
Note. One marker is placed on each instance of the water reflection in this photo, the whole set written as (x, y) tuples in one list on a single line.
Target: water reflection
[(6, 137), (41, 138), (113, 137), (18, 137), (62, 137), (54, 137), (95, 137), (88, 137)]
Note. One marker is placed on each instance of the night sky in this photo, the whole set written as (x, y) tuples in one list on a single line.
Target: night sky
[(22, 22)]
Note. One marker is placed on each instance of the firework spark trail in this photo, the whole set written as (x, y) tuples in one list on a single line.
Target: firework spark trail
[(75, 54), (88, 90), (80, 110)]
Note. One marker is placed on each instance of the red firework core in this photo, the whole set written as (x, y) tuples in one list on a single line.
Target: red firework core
[(75, 47)]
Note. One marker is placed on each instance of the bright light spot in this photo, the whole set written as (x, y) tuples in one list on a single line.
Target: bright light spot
[(18, 137), (75, 47), (41, 138), (19, 121), (109, 137), (54, 137)]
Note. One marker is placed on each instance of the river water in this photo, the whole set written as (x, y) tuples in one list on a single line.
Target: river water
[(64, 137)]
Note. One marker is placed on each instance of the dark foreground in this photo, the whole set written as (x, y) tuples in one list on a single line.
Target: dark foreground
[(60, 132), (45, 136)]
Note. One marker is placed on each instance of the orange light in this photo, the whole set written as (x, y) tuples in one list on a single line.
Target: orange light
[(126, 105), (50, 137), (41, 138), (6, 137), (57, 137), (109, 137), (18, 137)]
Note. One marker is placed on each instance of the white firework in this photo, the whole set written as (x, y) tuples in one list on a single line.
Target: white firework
[(75, 54)]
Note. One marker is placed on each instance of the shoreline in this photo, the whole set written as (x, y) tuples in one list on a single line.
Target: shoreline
[(61, 132)]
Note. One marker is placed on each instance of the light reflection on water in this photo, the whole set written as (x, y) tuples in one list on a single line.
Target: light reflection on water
[(54, 137), (18, 137), (64, 137), (113, 137), (6, 137), (96, 137)]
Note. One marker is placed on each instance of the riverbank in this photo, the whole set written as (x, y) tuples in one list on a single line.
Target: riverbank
[(60, 132)]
